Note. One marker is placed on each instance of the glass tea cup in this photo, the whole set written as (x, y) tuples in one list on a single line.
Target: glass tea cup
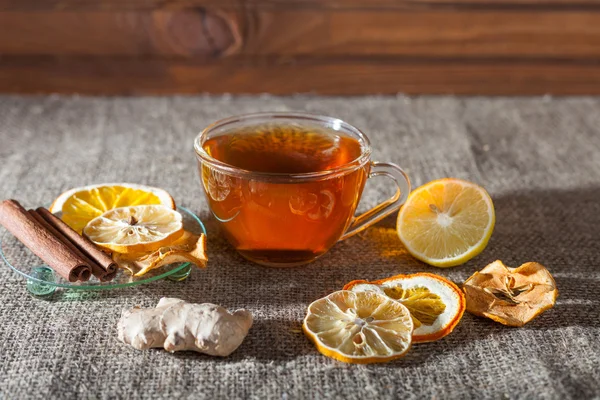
[(290, 216)]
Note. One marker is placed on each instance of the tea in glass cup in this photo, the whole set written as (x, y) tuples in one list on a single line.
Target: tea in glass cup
[(285, 187)]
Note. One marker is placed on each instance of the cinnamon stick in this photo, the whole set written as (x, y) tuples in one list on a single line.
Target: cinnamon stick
[(103, 266), (96, 269), (40, 240), (60, 237)]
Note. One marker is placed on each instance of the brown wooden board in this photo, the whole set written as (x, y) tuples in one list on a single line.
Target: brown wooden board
[(214, 33), (111, 5), (348, 77), (306, 46), (186, 33)]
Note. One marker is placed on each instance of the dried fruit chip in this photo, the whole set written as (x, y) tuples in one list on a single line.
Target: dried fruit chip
[(80, 205), (511, 296), (135, 229), (188, 248), (360, 328), (436, 305)]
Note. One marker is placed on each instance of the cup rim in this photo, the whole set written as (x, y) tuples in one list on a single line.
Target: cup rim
[(338, 124)]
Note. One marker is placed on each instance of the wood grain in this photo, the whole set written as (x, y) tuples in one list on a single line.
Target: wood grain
[(213, 33), (191, 33), (300, 46), (115, 5), (447, 33), (327, 76)]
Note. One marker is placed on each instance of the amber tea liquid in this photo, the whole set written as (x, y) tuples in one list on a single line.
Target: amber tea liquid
[(274, 219)]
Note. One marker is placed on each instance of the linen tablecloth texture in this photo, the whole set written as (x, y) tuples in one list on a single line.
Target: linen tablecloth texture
[(538, 157)]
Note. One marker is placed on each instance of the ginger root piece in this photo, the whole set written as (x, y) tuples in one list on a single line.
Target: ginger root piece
[(511, 296), (177, 325)]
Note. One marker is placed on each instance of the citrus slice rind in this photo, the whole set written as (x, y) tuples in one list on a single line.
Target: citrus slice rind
[(446, 222), (435, 303), (136, 229), (80, 205), (360, 328)]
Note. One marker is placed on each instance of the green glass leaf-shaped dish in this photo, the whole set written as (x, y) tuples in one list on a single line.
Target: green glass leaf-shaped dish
[(41, 280)]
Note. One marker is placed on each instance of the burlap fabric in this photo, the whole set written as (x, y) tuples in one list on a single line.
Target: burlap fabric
[(538, 157)]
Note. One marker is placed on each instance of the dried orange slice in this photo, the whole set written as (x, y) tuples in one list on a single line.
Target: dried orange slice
[(446, 222), (361, 328), (139, 229), (511, 296), (80, 205), (436, 305)]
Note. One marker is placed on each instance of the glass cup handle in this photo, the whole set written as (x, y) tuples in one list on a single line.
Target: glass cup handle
[(387, 207)]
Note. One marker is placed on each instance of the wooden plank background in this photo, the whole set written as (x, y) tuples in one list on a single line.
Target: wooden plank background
[(350, 47)]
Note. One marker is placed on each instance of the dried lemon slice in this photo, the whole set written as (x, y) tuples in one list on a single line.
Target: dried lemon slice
[(80, 205), (446, 222), (436, 305), (511, 296), (361, 328), (138, 229)]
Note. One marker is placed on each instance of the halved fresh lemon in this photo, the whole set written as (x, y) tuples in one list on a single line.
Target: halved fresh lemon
[(446, 222), (361, 328), (436, 305), (80, 205), (139, 229)]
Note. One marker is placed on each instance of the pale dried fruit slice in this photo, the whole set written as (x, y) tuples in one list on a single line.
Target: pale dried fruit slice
[(446, 222), (139, 229), (80, 205), (188, 248), (361, 328), (436, 305), (511, 296), (315, 206)]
